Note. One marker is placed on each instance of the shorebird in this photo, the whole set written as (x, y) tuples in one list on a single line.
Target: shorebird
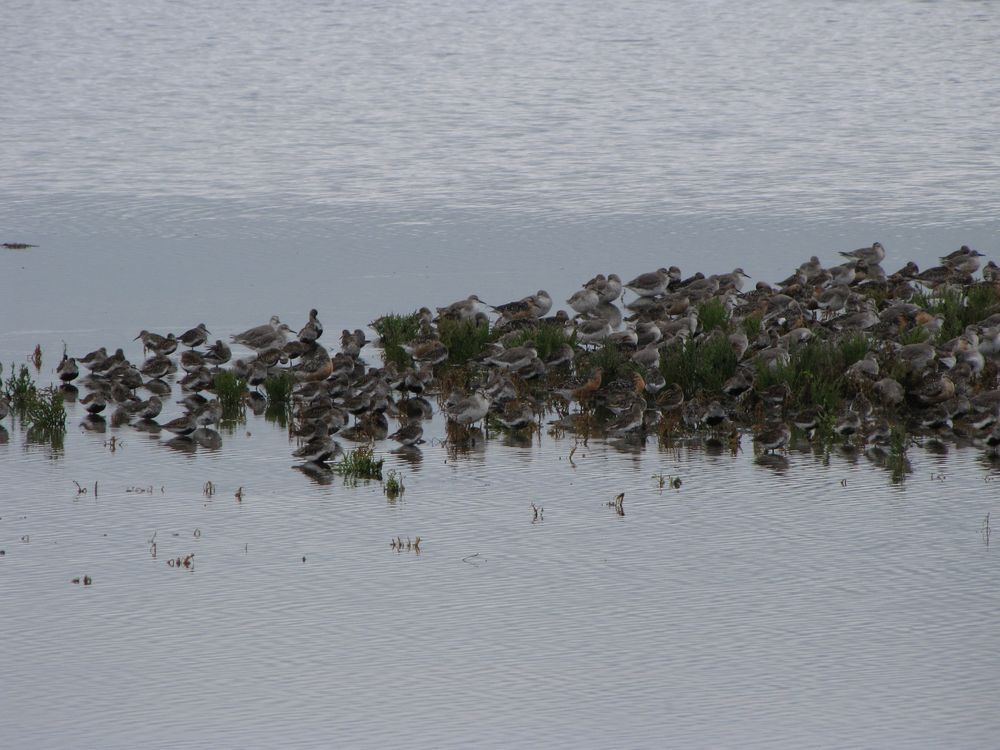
[(156, 343), (849, 424), (733, 280), (409, 433), (513, 359), (465, 309), (531, 307), (264, 337), (583, 390), (631, 418), (650, 284), (584, 301), (868, 255), (194, 336), (889, 392), (67, 370), (469, 410), (149, 409), (431, 352), (190, 361), (517, 414), (94, 358), (312, 330), (158, 366), (218, 353), (592, 331), (608, 289), (95, 402), (773, 437)]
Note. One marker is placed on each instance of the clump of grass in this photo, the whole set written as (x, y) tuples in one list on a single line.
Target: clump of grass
[(613, 362), (45, 413), (393, 486), (705, 363), (20, 389), (915, 335), (960, 308), (753, 324), (230, 389), (360, 463), (41, 410), (395, 330), (898, 463), (278, 392), (713, 315), (815, 372), (464, 339), (278, 388), (547, 339), (231, 392)]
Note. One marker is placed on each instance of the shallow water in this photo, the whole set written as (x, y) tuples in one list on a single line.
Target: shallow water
[(805, 603), (178, 164)]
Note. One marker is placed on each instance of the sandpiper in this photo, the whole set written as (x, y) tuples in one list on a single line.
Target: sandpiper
[(156, 343), (868, 255), (312, 330), (773, 437), (650, 284), (469, 410), (194, 336), (584, 301), (67, 370), (410, 433)]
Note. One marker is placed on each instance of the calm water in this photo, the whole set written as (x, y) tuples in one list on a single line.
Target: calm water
[(177, 163)]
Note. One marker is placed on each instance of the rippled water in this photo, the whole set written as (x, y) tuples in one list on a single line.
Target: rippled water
[(177, 163)]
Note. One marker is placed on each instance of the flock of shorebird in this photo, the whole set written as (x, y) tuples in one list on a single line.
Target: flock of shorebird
[(947, 387)]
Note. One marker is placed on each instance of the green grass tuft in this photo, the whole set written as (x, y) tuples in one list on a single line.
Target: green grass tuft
[(20, 389), (393, 331), (704, 363), (753, 324), (278, 389), (960, 308), (360, 463), (713, 315), (45, 412), (547, 339), (41, 410), (815, 372), (613, 362), (464, 339), (393, 486)]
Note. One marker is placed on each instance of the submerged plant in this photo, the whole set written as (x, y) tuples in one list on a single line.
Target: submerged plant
[(393, 486), (45, 413), (20, 389), (898, 463), (41, 410)]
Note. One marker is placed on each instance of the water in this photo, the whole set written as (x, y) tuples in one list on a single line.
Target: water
[(178, 163)]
